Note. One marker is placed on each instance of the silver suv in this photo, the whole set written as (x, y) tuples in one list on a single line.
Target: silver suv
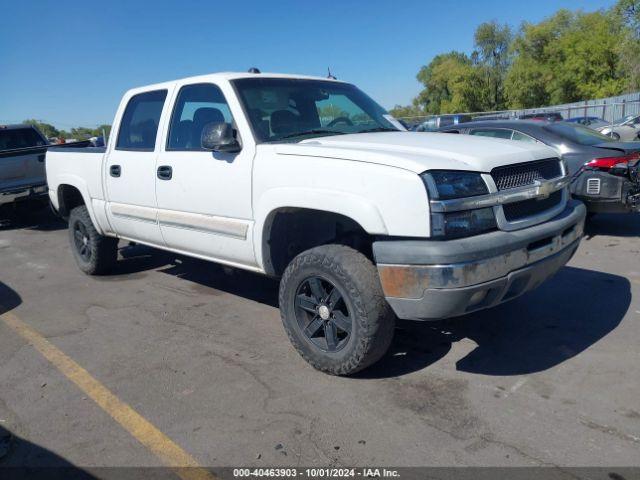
[(22, 172)]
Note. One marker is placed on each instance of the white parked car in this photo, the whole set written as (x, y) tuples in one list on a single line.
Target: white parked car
[(626, 129), (310, 181)]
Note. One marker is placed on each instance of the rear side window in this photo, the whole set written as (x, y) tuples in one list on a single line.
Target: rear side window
[(578, 134), (19, 138), (492, 132), (139, 125), (196, 106), (522, 137)]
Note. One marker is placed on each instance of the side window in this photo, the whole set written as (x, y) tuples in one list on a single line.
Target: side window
[(492, 132), (522, 137), (196, 106), (139, 124)]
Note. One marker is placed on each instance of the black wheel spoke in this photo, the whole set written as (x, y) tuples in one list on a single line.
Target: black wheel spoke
[(331, 335), (313, 327), (77, 234), (334, 297), (306, 303), (323, 314), (316, 289), (342, 322)]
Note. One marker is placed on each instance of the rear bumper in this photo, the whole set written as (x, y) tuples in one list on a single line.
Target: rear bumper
[(22, 193), (430, 280), (602, 192)]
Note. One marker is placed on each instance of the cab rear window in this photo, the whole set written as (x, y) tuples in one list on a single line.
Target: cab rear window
[(13, 138)]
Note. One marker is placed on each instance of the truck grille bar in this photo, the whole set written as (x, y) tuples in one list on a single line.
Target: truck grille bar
[(527, 208)]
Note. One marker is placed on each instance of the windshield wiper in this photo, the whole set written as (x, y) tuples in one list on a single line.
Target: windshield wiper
[(378, 129), (311, 132)]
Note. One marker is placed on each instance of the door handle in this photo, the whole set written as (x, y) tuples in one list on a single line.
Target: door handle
[(165, 172), (115, 170), (41, 158)]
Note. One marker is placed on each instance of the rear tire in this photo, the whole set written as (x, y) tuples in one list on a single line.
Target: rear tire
[(334, 311), (95, 254), (615, 136)]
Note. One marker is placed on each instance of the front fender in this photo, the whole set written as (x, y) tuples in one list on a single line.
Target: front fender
[(355, 207)]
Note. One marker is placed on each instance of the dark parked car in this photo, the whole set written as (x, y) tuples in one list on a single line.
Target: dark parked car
[(592, 122), (22, 175), (542, 116), (433, 123), (605, 172)]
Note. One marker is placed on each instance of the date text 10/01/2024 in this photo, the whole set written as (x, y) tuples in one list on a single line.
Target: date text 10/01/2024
[(316, 472)]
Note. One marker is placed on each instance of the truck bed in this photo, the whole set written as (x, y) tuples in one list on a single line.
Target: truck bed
[(75, 166)]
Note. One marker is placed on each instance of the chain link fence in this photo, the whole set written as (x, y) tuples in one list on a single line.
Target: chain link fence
[(609, 109)]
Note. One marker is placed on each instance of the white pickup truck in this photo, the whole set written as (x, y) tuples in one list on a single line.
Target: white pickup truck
[(310, 181)]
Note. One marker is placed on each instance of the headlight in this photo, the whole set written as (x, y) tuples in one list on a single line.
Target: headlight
[(462, 224), (445, 185)]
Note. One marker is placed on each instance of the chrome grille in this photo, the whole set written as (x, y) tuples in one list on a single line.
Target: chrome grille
[(527, 208), (523, 174)]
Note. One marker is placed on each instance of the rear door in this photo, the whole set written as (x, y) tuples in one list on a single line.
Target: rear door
[(130, 168)]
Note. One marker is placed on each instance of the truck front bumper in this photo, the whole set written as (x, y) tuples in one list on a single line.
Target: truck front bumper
[(22, 193), (431, 280)]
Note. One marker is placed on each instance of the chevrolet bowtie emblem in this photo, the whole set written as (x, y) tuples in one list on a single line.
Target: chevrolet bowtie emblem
[(543, 190)]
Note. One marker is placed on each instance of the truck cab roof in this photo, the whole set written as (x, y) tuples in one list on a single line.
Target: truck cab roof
[(228, 76)]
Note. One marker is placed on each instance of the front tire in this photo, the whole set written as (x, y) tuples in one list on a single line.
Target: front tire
[(95, 254), (334, 311)]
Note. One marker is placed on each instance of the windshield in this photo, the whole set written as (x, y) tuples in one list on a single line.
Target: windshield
[(578, 134), (284, 109), (622, 120)]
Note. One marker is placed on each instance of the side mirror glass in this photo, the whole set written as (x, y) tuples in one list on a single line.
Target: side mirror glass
[(219, 137)]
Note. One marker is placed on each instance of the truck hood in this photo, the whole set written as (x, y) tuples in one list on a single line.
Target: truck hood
[(418, 152)]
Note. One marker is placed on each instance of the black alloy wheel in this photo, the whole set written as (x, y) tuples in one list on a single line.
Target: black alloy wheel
[(81, 241), (323, 314)]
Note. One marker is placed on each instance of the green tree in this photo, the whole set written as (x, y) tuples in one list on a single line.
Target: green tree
[(400, 111), (81, 133), (627, 14), (102, 129), (492, 57), (568, 57), (532, 70), (451, 84), (47, 129)]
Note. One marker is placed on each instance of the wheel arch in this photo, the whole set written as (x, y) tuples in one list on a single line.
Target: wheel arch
[(71, 193), (348, 214)]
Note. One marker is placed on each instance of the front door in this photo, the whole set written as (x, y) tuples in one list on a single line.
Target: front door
[(130, 169), (204, 197)]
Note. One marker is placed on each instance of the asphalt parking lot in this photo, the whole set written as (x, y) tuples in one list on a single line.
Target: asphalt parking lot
[(552, 378)]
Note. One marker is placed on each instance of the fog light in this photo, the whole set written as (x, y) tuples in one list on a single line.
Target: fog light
[(477, 297)]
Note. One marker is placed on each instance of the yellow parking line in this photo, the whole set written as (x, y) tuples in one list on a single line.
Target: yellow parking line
[(141, 429)]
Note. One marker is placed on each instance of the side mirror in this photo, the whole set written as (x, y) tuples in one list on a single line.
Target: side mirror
[(219, 137)]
